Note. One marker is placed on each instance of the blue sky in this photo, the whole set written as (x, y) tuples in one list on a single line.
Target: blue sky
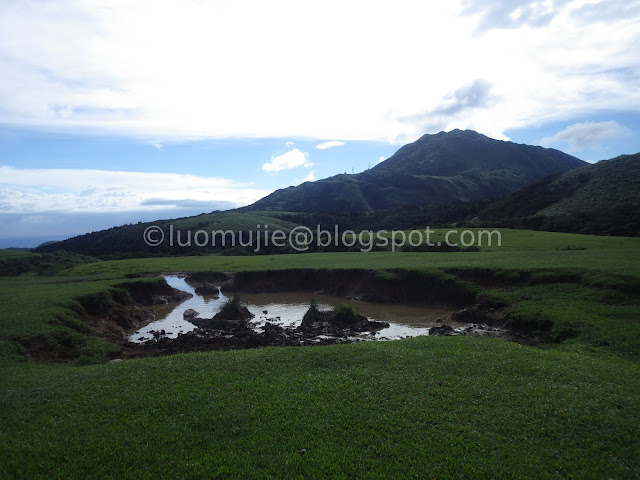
[(40, 150), (116, 112)]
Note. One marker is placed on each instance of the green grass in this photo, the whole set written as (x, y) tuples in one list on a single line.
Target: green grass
[(44, 313), (7, 253), (419, 408), (621, 261), (26, 263), (234, 221), (583, 296), (520, 240), (581, 314), (29, 304), (431, 407)]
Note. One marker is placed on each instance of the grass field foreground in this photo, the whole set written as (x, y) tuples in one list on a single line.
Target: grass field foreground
[(425, 407), (428, 407)]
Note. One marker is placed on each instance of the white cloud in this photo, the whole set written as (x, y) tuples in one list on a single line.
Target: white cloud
[(331, 144), (66, 190), (380, 160), (513, 14), (291, 159), (582, 135), (111, 67), (309, 178)]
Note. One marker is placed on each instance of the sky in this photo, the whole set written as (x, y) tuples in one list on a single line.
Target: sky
[(114, 112)]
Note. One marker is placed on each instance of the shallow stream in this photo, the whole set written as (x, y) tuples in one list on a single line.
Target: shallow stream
[(287, 309)]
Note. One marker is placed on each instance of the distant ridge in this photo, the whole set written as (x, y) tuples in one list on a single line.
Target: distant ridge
[(456, 166), (602, 198)]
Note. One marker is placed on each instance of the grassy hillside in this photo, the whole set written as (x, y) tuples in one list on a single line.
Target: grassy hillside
[(13, 263), (520, 249), (12, 253), (603, 185), (128, 240), (443, 168), (603, 198)]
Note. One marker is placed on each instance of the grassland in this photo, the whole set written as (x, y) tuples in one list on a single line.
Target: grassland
[(8, 253), (14, 263), (519, 250), (428, 407), (421, 408), (512, 240)]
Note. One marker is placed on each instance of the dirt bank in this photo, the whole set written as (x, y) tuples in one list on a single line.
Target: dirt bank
[(388, 286), (128, 304)]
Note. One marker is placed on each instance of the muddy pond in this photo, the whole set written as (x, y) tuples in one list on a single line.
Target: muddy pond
[(287, 309)]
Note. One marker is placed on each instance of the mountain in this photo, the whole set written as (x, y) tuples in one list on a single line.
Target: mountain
[(179, 236), (458, 166), (456, 175), (602, 198)]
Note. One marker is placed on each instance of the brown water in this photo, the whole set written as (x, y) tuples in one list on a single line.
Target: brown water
[(287, 309)]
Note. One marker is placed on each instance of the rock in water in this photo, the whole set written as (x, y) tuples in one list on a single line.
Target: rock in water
[(443, 330), (190, 313), (207, 289)]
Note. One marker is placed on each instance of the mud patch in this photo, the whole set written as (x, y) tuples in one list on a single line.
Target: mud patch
[(285, 309), (266, 329), (388, 286), (129, 309)]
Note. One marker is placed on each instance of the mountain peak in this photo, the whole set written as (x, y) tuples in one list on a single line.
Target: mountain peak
[(460, 165), (451, 133)]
